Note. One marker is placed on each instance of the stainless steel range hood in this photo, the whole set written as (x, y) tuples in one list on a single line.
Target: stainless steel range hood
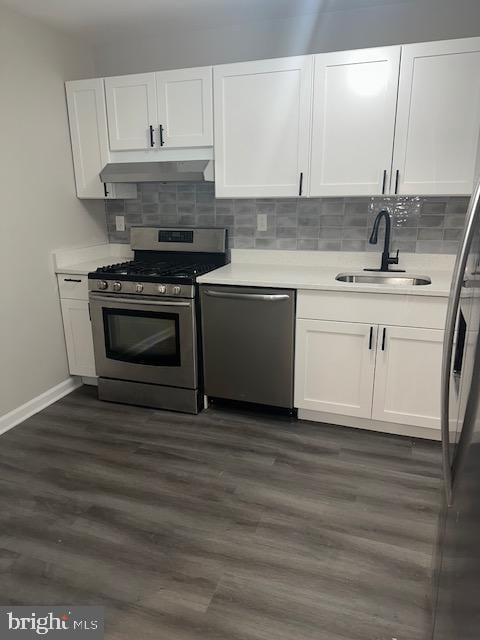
[(171, 171)]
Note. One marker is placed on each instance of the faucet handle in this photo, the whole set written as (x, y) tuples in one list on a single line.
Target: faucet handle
[(394, 260)]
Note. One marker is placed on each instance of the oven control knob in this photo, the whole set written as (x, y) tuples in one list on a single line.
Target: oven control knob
[(176, 291), (139, 287), (162, 288), (102, 284), (117, 286)]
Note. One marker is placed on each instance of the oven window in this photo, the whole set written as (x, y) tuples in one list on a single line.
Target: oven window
[(142, 337)]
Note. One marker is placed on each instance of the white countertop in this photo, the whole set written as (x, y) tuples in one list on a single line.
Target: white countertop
[(283, 269), (82, 260), (82, 268), (246, 270)]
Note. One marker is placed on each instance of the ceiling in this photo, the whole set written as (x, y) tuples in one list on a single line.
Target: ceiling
[(100, 18)]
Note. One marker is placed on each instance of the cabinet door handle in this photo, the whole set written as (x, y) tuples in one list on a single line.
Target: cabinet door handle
[(397, 178), (152, 140), (160, 129), (384, 181), (300, 186), (384, 335), (370, 339), (105, 190), (71, 280)]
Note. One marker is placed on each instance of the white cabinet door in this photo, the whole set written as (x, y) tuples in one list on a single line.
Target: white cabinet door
[(262, 127), (334, 367), (88, 132), (89, 136), (132, 111), (185, 109), (355, 97), (438, 118), (78, 337), (407, 376)]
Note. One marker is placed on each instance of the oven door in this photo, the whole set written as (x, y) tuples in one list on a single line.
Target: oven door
[(145, 340)]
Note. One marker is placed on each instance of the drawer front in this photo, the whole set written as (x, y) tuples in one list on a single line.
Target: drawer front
[(373, 308), (73, 287)]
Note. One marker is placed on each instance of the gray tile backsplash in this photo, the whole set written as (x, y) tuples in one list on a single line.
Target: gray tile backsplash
[(431, 225)]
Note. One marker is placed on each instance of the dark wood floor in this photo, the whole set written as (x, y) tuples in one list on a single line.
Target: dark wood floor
[(224, 526)]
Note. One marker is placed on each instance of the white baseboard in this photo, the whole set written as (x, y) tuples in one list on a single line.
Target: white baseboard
[(10, 420)]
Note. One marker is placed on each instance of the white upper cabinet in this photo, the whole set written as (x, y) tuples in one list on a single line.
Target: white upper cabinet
[(355, 95), (164, 109), (262, 127), (88, 132), (185, 109), (132, 111), (390, 120), (89, 136), (438, 119)]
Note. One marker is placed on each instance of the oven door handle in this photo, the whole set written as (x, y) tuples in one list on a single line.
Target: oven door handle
[(138, 301), (271, 297)]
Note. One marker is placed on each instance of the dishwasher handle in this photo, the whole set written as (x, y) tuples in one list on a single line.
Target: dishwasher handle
[(263, 297)]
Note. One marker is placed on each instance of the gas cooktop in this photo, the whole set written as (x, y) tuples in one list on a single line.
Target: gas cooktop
[(162, 271)]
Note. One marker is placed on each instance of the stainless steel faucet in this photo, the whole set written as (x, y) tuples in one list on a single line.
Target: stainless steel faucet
[(387, 259)]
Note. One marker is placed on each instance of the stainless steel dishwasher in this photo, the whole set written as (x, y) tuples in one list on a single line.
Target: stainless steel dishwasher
[(248, 343)]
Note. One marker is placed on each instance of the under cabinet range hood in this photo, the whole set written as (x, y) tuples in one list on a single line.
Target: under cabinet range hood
[(167, 171)]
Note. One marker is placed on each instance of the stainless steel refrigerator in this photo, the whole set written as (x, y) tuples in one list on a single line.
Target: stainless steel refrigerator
[(457, 556)]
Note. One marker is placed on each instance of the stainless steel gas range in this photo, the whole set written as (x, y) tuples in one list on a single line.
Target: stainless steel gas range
[(145, 318)]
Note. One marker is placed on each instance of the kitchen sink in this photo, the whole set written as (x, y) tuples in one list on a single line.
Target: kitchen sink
[(396, 280)]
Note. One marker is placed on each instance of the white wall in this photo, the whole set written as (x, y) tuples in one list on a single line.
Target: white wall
[(39, 211), (148, 47)]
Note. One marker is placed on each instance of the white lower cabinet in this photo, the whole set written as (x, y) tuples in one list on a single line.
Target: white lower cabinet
[(77, 327), (78, 338), (335, 366), (407, 376), (379, 373)]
